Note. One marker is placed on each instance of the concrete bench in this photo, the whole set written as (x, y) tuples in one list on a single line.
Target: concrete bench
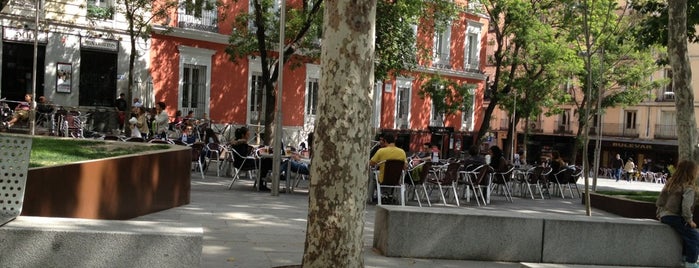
[(448, 233), (67, 242)]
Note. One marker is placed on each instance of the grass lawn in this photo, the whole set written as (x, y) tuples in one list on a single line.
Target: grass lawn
[(647, 196), (50, 152)]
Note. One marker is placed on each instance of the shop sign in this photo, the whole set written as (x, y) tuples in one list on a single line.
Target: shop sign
[(632, 145), (22, 35), (99, 43)]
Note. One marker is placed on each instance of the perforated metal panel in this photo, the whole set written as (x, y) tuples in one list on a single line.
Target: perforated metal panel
[(14, 162)]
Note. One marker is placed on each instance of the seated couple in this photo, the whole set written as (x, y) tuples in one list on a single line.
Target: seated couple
[(243, 149)]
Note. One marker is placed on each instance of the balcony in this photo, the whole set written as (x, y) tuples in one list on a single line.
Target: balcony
[(202, 20), (562, 128), (620, 130), (665, 131), (535, 127)]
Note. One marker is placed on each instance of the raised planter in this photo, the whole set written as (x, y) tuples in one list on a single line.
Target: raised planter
[(115, 188), (624, 207)]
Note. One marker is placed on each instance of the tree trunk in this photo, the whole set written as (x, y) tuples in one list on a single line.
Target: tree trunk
[(682, 78), (342, 137)]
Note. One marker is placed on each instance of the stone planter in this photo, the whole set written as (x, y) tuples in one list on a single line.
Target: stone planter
[(116, 188), (624, 207)]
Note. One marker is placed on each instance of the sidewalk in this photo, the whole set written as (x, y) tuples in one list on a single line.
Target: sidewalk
[(243, 228)]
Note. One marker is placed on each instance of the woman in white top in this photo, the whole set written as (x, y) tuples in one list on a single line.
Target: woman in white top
[(161, 120)]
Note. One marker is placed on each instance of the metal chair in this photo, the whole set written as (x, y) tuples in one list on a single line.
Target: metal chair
[(213, 153), (476, 178), (562, 178), (447, 179), (501, 181), (393, 178), (197, 148), (240, 163), (423, 170)]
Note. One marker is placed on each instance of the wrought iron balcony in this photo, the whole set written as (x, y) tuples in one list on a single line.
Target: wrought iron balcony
[(665, 131), (562, 128), (620, 130), (203, 20)]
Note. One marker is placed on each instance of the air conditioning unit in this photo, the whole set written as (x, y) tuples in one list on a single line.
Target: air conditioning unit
[(475, 6)]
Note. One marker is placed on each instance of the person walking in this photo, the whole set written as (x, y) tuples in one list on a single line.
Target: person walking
[(675, 205), (120, 105), (629, 169), (617, 165)]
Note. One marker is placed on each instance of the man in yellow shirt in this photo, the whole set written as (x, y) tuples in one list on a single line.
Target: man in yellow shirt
[(390, 152)]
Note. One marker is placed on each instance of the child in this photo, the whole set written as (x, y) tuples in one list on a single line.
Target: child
[(675, 204)]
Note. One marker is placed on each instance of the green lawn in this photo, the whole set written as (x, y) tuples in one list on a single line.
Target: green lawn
[(50, 152), (647, 196)]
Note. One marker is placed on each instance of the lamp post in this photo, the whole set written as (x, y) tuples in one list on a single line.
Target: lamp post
[(514, 124), (32, 120), (277, 158)]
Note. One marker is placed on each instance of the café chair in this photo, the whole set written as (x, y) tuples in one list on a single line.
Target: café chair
[(393, 178), (240, 163), (476, 178), (448, 179), (501, 181), (419, 179)]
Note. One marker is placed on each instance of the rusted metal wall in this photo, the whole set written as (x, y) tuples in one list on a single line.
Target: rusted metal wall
[(114, 188)]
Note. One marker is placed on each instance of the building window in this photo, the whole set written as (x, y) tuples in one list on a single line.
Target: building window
[(669, 89), (100, 9), (630, 120), (441, 48), (473, 46), (467, 114), (193, 87), (257, 97), (312, 96), (195, 77), (436, 117), (403, 91)]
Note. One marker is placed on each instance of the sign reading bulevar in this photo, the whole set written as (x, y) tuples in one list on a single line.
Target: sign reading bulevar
[(632, 145), (99, 43)]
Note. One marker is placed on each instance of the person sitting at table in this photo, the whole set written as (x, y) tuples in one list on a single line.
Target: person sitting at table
[(241, 146), (390, 152), (295, 164), (188, 135), (497, 159), (474, 159), (21, 111), (557, 162)]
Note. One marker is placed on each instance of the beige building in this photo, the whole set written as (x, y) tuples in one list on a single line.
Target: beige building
[(643, 131)]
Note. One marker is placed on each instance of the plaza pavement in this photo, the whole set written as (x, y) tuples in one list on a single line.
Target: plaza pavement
[(244, 228)]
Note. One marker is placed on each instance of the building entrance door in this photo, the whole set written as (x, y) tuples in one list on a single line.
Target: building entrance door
[(17, 62)]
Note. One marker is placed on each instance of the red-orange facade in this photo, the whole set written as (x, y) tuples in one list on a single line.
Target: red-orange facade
[(191, 71)]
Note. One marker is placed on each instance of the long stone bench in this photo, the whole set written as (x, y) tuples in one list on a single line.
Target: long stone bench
[(448, 233), (68, 242)]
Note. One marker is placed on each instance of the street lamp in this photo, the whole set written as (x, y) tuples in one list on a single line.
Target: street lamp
[(277, 158), (514, 124)]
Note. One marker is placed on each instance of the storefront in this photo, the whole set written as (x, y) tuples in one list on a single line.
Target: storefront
[(660, 153), (17, 62), (98, 72)]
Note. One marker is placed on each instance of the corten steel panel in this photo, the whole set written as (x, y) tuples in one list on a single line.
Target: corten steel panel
[(113, 188)]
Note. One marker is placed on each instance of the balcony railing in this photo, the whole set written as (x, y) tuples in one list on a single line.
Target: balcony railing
[(620, 130), (535, 127), (665, 131), (207, 20), (562, 128)]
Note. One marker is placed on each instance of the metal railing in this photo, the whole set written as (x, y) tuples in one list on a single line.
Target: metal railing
[(619, 130), (562, 128), (205, 20), (665, 131)]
